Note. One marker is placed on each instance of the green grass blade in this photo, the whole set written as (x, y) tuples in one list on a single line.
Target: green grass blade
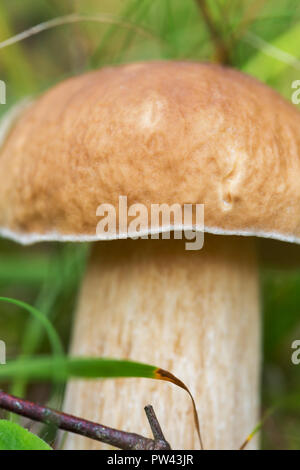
[(70, 19), (257, 428), (63, 277), (275, 57), (131, 34), (53, 336), (63, 368), (127, 13)]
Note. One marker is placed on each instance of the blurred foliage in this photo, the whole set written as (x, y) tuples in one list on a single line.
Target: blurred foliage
[(258, 36)]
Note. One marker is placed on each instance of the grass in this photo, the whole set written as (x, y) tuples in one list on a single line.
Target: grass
[(254, 33)]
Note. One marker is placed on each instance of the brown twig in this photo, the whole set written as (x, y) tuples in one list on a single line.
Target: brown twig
[(154, 424), (120, 439), (222, 52)]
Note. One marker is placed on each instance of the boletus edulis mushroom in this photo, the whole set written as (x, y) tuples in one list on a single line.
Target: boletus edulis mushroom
[(161, 133)]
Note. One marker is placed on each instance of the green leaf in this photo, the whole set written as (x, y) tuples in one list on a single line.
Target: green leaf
[(14, 437)]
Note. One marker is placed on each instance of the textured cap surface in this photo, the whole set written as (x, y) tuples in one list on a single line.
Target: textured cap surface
[(160, 132)]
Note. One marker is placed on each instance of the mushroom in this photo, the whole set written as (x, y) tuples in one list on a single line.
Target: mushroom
[(172, 133)]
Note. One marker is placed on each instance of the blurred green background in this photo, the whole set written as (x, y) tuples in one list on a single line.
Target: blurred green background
[(259, 37)]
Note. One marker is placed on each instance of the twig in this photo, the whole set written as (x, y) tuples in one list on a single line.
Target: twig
[(222, 51), (154, 424), (120, 439)]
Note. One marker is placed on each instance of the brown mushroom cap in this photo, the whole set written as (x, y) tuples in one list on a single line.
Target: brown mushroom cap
[(158, 132)]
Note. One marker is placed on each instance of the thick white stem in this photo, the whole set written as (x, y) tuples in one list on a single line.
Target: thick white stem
[(194, 313)]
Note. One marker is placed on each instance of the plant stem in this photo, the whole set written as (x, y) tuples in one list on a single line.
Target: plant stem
[(120, 439), (222, 52)]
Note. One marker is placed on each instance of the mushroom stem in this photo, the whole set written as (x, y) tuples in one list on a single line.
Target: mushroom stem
[(194, 313)]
